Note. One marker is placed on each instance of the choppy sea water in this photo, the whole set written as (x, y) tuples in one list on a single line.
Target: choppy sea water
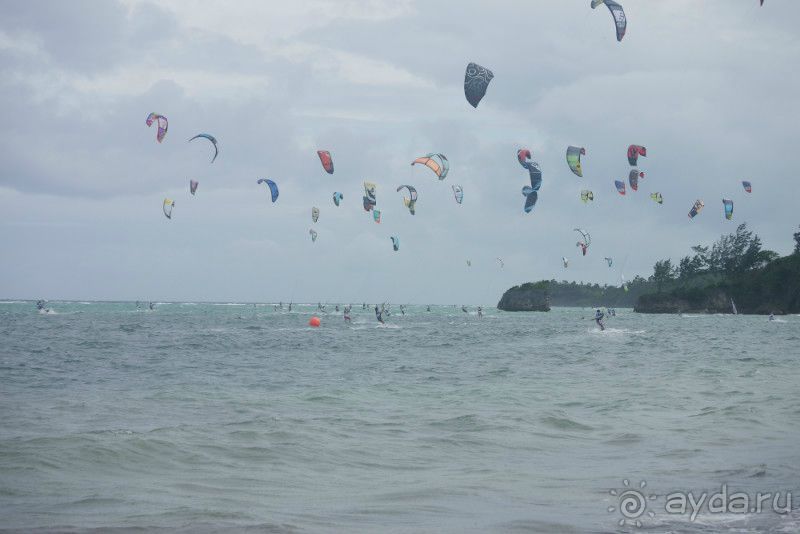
[(206, 417)]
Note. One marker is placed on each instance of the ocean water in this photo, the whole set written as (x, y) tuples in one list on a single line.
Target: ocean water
[(204, 417)]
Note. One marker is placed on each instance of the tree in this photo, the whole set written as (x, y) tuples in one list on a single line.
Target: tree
[(700, 258), (690, 266), (662, 272), (797, 242), (738, 252)]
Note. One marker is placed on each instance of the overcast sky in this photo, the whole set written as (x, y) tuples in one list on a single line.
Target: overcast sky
[(710, 88)]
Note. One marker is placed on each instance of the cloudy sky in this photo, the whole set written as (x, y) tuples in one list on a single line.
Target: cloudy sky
[(710, 88)]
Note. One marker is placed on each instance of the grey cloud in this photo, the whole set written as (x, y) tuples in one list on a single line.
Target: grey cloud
[(704, 86)]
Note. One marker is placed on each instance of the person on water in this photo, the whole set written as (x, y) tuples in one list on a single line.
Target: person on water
[(464, 309), (40, 305), (598, 318), (402, 310), (347, 314), (771, 316), (337, 307), (480, 312), (290, 306), (429, 308), (151, 305), (379, 314)]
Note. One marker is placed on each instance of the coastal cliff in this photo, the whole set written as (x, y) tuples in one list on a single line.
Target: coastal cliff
[(774, 288), (714, 300), (527, 297)]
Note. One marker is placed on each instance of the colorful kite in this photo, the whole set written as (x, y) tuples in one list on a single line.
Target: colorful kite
[(436, 162), (161, 121), (574, 154), (617, 13), (210, 138), (476, 81), (273, 187), (327, 161)]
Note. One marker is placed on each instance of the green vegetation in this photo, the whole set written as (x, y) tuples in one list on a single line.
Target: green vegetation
[(578, 294), (735, 267)]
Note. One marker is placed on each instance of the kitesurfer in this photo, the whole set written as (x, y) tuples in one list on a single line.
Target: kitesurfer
[(151, 305), (290, 306), (40, 305), (429, 308), (480, 312), (402, 310), (347, 314), (771, 316), (379, 314), (598, 318)]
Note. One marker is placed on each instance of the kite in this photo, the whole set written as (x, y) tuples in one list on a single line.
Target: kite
[(337, 197), (193, 186), (314, 214), (436, 162), (697, 208), (747, 186), (617, 13), (633, 179), (728, 208), (586, 196), (313, 234), (458, 193), (476, 81), (634, 151), (565, 261), (657, 197), (502, 263), (585, 242), (210, 138), (574, 159), (610, 261), (163, 125), (530, 192), (411, 201), (376, 216), (620, 187), (369, 196), (395, 243), (168, 205), (327, 161), (273, 187)]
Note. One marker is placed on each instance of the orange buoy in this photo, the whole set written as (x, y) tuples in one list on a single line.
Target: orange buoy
[(314, 321)]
